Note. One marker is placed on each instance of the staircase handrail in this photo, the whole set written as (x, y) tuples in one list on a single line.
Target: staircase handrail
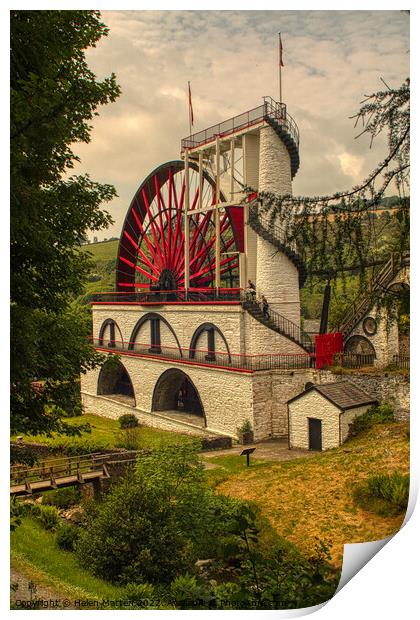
[(284, 325), (362, 302)]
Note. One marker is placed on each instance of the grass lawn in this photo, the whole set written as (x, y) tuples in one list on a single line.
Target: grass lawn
[(34, 554), (106, 434), (306, 499)]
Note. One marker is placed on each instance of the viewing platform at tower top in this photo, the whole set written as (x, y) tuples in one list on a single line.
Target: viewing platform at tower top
[(269, 112)]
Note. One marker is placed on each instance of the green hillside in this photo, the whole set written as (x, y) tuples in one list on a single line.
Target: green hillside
[(102, 275)]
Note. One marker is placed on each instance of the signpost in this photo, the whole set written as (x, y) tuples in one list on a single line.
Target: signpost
[(246, 453)]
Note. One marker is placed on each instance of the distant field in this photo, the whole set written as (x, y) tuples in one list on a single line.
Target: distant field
[(104, 251)]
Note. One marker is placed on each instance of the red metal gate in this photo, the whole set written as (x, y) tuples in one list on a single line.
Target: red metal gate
[(326, 346)]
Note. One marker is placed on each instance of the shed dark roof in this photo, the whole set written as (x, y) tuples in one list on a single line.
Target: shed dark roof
[(344, 395)]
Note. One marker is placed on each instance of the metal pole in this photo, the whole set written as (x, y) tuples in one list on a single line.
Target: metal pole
[(217, 213), (200, 180), (186, 226), (232, 169), (280, 65)]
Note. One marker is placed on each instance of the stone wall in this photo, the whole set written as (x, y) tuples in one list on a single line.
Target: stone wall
[(226, 395), (242, 332), (383, 386)]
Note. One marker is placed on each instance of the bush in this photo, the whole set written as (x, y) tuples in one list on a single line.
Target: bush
[(378, 414), (67, 536), (143, 595), (155, 523), (186, 593), (128, 420), (385, 494), (48, 517), (129, 439), (63, 498)]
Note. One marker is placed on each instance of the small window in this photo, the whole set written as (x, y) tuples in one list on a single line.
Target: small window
[(308, 385)]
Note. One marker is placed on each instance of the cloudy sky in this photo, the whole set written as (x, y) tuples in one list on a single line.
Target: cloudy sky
[(332, 59)]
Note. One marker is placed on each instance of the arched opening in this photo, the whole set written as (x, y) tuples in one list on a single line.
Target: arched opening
[(360, 351), (115, 381), (176, 395), (152, 341), (110, 335), (210, 338)]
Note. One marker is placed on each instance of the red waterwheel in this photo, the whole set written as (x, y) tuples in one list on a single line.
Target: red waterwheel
[(151, 249)]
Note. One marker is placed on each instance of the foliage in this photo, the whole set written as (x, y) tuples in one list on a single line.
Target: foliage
[(15, 514), (67, 536), (62, 498), (385, 494), (48, 517), (156, 523), (343, 233), (129, 438), (34, 552), (54, 97), (143, 595), (128, 420), (245, 427), (186, 592), (377, 414)]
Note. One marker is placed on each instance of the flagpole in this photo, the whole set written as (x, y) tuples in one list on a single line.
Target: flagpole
[(189, 107), (280, 66)]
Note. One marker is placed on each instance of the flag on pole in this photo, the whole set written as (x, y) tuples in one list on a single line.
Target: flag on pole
[(190, 104), (280, 51)]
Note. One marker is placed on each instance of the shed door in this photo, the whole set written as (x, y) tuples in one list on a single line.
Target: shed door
[(315, 434)]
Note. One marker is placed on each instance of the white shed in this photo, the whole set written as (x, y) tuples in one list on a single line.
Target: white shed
[(319, 417)]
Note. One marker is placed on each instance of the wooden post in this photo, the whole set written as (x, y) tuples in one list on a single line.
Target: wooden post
[(217, 214), (186, 226)]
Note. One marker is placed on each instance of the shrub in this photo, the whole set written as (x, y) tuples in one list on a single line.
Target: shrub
[(143, 595), (129, 439), (186, 593), (48, 517), (67, 536), (155, 523), (128, 420), (378, 414), (62, 498), (385, 494)]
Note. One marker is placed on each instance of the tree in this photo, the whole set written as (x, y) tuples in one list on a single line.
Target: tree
[(54, 96)]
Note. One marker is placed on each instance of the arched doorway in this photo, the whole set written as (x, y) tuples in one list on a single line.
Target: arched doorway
[(359, 351), (176, 395), (115, 381)]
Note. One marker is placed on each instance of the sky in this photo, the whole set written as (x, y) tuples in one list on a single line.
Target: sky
[(332, 60)]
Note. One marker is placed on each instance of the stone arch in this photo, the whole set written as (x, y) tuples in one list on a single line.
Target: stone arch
[(359, 345), (152, 316), (167, 394), (115, 381), (207, 327), (114, 336), (308, 385)]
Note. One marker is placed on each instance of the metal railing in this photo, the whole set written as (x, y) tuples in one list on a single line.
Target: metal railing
[(354, 360), (280, 323), (401, 361), (363, 301), (269, 108), (220, 359), (161, 297)]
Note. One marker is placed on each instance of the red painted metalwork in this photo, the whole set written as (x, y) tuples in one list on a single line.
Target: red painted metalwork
[(152, 238), (326, 346)]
